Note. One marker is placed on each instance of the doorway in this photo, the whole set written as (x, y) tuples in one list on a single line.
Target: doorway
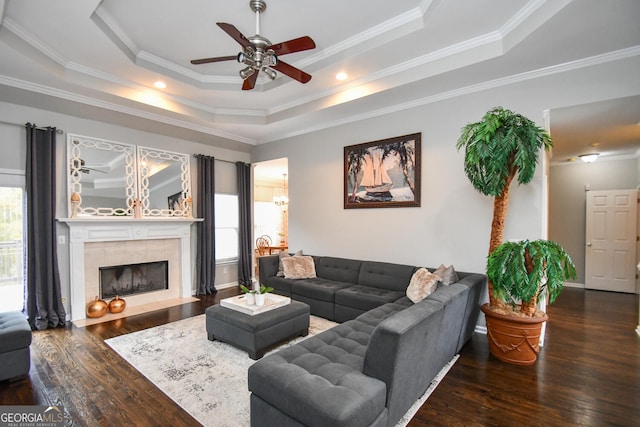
[(271, 205), (610, 257)]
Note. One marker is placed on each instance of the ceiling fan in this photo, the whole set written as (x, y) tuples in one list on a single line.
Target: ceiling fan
[(79, 165), (259, 54)]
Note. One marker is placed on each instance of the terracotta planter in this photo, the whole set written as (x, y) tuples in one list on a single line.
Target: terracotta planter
[(513, 340)]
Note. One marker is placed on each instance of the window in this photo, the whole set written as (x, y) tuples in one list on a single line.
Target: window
[(226, 217), (11, 249)]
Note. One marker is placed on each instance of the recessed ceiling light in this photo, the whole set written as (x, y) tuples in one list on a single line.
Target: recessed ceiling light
[(342, 76), (160, 84)]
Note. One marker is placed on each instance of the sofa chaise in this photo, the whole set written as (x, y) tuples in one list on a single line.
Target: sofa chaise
[(370, 369)]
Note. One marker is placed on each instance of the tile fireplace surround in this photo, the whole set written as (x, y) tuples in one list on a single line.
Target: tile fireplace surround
[(102, 242)]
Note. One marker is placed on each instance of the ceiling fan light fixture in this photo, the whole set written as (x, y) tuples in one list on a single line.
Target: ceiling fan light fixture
[(245, 73), (270, 73), (258, 52), (245, 59), (589, 158)]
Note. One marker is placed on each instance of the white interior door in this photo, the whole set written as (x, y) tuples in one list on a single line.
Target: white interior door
[(611, 240)]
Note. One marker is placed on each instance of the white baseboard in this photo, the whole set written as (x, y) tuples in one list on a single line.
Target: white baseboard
[(481, 329), (573, 285), (226, 285)]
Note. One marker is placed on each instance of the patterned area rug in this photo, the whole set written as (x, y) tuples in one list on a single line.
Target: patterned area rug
[(206, 378)]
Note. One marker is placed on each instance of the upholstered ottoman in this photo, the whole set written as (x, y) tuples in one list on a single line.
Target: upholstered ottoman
[(256, 333), (15, 338)]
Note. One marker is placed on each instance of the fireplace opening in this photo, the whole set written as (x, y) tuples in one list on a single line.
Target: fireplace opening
[(131, 279)]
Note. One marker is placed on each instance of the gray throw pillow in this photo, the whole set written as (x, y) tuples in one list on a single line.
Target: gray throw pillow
[(448, 274)]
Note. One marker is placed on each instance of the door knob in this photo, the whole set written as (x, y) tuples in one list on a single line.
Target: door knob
[(589, 244)]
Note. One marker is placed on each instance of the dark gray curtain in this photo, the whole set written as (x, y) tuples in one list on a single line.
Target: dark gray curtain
[(206, 254), (243, 174), (44, 299)]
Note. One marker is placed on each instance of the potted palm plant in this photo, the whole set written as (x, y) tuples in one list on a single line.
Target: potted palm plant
[(522, 273), (501, 147)]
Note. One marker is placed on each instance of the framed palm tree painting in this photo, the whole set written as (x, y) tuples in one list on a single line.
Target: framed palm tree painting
[(383, 174)]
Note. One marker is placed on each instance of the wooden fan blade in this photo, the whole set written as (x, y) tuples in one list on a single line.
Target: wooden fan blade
[(216, 59), (292, 72), (292, 46), (234, 33), (250, 82)]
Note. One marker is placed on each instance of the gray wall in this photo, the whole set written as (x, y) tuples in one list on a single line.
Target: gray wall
[(12, 141), (567, 200), (453, 224)]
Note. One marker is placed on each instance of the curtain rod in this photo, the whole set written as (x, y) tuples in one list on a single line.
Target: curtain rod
[(58, 131), (215, 159)]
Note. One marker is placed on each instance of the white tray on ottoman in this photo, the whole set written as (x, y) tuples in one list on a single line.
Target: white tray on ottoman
[(239, 303)]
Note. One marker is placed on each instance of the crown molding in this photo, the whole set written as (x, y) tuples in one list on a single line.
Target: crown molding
[(11, 26), (393, 70), (101, 75), (523, 15), (112, 30), (86, 100), (542, 72), (480, 48), (492, 39), (144, 58), (2, 10), (109, 26), (467, 90), (412, 19)]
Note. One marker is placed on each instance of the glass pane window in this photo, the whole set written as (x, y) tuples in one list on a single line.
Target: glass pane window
[(227, 221), (11, 249)]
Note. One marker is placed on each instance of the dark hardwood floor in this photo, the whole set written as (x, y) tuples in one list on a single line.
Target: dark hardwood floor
[(588, 373)]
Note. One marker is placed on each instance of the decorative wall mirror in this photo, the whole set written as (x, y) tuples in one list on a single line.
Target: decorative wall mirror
[(165, 182), (102, 177), (109, 178)]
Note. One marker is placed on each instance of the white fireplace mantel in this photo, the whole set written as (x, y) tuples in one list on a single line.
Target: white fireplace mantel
[(114, 229)]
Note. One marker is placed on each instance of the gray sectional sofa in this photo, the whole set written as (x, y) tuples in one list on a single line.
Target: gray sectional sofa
[(370, 369)]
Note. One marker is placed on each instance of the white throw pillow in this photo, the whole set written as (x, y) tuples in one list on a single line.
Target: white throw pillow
[(299, 267), (422, 284), (284, 254)]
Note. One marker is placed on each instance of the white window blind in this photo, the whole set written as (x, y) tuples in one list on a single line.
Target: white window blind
[(226, 219)]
